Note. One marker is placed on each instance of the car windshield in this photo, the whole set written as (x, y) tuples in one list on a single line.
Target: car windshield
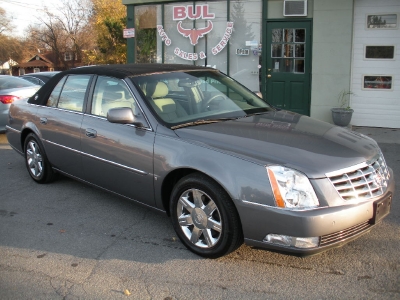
[(197, 97), (10, 82)]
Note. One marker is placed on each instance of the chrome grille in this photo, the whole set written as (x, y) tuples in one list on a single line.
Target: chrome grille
[(362, 182), (344, 234)]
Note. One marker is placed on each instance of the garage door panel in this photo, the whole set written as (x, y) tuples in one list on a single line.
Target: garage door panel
[(378, 106)]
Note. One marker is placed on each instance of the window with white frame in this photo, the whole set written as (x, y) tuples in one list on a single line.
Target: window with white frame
[(379, 52), (36, 70), (68, 56), (21, 71), (382, 21), (377, 82)]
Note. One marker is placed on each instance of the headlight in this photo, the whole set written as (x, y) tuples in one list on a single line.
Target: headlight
[(291, 188)]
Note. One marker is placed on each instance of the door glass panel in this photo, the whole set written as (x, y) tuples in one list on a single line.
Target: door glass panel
[(288, 43), (276, 50), (276, 35), (287, 65), (299, 50), (288, 38), (299, 65), (288, 52), (300, 35)]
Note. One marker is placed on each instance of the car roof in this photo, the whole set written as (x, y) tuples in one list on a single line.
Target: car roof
[(126, 70), (120, 71)]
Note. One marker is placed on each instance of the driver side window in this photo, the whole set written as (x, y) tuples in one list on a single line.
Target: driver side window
[(111, 93)]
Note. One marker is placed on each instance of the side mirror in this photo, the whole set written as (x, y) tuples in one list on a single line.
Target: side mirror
[(123, 115)]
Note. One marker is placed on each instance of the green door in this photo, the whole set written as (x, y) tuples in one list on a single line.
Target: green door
[(289, 65)]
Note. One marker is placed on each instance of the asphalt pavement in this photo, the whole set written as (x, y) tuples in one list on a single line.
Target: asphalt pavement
[(68, 240)]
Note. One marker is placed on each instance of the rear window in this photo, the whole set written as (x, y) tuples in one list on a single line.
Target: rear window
[(10, 82)]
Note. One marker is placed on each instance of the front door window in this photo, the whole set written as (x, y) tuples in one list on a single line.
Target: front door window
[(288, 49)]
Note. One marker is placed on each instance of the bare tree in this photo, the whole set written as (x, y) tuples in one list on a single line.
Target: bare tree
[(68, 31), (5, 21)]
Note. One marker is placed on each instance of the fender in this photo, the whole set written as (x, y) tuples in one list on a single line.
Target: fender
[(248, 181)]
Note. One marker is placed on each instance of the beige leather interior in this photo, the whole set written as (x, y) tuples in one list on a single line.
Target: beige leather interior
[(166, 108), (115, 96)]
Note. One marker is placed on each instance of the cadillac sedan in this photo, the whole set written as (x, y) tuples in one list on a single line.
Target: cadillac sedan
[(193, 143)]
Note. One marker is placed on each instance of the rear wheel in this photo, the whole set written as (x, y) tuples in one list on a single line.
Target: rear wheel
[(204, 217), (36, 161)]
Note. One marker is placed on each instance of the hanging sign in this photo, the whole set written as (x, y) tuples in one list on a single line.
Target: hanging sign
[(129, 33), (194, 12)]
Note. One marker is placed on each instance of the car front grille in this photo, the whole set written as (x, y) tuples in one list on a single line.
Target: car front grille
[(363, 181), (344, 234)]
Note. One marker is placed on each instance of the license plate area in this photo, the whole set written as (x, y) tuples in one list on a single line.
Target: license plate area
[(381, 209)]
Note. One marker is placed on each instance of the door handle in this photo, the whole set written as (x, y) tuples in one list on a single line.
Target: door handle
[(43, 121), (91, 133), (269, 75)]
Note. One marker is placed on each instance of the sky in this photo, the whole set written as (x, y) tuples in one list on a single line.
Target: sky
[(24, 12)]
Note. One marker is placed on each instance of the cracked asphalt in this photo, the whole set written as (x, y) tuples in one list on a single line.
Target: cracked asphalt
[(67, 240)]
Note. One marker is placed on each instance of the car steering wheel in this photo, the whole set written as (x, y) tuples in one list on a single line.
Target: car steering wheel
[(213, 98)]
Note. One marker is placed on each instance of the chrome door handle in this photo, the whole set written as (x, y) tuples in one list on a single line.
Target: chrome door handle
[(43, 121), (91, 133)]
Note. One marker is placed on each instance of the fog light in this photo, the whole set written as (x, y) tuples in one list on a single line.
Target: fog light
[(292, 241)]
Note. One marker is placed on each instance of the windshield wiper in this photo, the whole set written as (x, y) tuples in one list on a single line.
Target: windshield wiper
[(201, 122)]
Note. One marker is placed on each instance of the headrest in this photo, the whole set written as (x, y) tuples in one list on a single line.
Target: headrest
[(161, 90), (166, 105), (113, 92)]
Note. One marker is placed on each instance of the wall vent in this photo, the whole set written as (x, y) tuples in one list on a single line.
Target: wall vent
[(295, 8)]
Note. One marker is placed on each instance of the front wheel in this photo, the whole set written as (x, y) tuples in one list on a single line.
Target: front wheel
[(204, 217), (36, 161)]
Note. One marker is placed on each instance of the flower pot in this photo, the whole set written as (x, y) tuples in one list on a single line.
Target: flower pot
[(342, 116)]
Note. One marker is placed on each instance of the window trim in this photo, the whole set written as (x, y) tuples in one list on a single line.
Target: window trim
[(376, 89), (69, 54), (379, 59), (382, 14)]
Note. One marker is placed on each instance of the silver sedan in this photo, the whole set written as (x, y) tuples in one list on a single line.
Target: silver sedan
[(223, 164), (12, 89)]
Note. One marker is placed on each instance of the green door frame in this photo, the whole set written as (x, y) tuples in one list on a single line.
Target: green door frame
[(264, 51)]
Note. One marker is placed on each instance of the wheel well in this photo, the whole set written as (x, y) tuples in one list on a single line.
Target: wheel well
[(24, 134), (169, 183)]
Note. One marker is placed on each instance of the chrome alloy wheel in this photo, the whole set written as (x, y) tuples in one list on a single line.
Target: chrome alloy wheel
[(199, 218), (34, 158)]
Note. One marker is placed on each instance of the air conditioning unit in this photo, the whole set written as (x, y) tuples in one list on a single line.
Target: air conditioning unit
[(295, 8)]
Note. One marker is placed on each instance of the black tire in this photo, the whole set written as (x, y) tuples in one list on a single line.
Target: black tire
[(204, 217), (36, 160)]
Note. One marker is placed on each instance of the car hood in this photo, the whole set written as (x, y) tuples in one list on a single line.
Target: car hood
[(280, 137)]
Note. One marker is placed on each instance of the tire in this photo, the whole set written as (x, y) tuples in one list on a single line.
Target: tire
[(36, 160), (204, 217)]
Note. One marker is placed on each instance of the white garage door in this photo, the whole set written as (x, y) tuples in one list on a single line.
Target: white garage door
[(375, 83)]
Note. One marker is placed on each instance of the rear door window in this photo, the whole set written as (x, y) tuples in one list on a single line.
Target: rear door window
[(73, 91)]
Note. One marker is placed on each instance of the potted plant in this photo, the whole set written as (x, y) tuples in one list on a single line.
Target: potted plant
[(341, 115)]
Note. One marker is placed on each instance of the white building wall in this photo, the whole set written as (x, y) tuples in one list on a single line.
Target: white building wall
[(331, 55)]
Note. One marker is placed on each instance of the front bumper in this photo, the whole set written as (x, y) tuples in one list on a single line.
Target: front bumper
[(334, 226)]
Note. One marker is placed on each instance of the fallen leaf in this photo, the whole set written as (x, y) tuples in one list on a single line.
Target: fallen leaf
[(61, 230), (127, 292)]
